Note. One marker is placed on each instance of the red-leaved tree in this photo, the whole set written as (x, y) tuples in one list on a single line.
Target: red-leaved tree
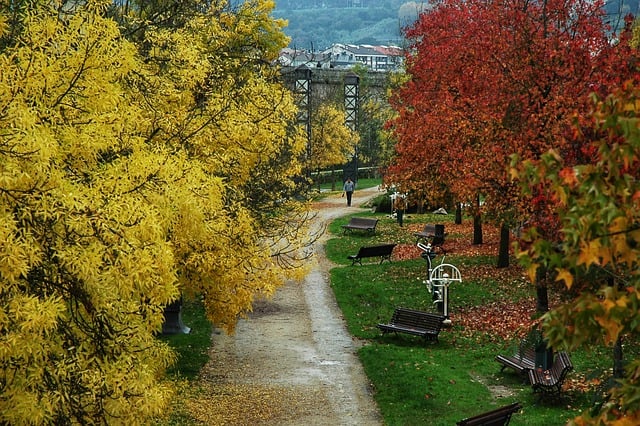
[(490, 79)]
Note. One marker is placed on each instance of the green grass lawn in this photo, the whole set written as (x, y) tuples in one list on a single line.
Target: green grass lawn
[(418, 382), (192, 350)]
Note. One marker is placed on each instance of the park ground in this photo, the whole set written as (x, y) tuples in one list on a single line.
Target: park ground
[(294, 361)]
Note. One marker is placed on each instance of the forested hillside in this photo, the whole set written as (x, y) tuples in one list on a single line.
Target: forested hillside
[(317, 24)]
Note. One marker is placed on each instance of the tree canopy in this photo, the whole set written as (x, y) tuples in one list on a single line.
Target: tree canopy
[(147, 151), (332, 141), (498, 83), (597, 258), (489, 79)]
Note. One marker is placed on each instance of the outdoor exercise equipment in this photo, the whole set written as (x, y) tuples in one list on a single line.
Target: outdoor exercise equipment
[(439, 279)]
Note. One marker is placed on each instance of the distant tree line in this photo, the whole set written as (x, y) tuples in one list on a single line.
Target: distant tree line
[(317, 25), (333, 4)]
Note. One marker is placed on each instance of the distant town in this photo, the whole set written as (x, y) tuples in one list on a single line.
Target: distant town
[(345, 56)]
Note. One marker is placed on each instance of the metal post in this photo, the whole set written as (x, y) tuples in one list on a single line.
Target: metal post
[(351, 93), (302, 93), (173, 319), (445, 289)]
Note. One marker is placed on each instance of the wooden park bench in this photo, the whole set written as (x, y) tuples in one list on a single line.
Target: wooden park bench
[(362, 224), (383, 251), (521, 362), (498, 417), (417, 323), (434, 234), (549, 382)]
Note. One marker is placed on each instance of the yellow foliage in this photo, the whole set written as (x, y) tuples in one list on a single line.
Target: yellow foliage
[(129, 174), (590, 252), (332, 142), (612, 329), (564, 275)]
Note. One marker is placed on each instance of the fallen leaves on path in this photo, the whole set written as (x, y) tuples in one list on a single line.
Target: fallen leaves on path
[(252, 404)]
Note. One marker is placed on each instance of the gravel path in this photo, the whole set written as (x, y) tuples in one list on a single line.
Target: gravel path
[(292, 362)]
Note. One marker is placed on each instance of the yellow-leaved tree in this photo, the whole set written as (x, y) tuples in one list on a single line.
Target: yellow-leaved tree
[(332, 141), (144, 154), (219, 105)]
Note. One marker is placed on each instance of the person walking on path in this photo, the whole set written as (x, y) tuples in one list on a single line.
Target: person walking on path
[(399, 205), (348, 188)]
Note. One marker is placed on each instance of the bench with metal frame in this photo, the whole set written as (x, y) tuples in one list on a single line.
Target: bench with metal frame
[(548, 383), (383, 251), (362, 224), (432, 234), (498, 417), (417, 323), (521, 362)]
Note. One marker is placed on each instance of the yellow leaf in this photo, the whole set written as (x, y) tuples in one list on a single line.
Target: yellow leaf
[(566, 276), (589, 253), (612, 328), (531, 272), (619, 224)]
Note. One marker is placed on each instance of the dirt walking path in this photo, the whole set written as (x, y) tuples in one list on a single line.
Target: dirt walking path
[(292, 362)]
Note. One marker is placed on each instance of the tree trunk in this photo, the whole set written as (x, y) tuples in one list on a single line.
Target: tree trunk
[(503, 251), (477, 229), (542, 295), (618, 360), (333, 180), (477, 223), (458, 214)]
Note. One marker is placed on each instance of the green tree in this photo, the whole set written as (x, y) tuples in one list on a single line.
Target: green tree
[(598, 205), (373, 112)]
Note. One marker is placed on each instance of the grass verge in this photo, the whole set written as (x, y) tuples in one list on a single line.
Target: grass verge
[(192, 353)]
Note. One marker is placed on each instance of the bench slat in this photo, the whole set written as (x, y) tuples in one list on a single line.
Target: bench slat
[(499, 416), (432, 232), (521, 362), (361, 223), (551, 381)]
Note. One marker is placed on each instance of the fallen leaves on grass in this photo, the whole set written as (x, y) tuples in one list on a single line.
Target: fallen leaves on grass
[(406, 252), (458, 241), (498, 321), (512, 275)]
